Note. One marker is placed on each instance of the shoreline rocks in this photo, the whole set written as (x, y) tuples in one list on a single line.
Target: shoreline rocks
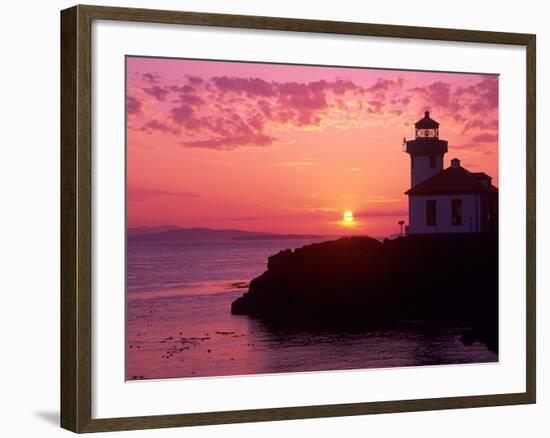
[(361, 282)]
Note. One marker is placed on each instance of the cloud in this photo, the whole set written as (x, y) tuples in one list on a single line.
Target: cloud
[(481, 97), (302, 96), (480, 124), (485, 138), (487, 90), (323, 209), (186, 89), (386, 85), (133, 105), (341, 87), (184, 116), (158, 126), (191, 99), (438, 95), (380, 199), (375, 107), (473, 146), (249, 86), (137, 194), (159, 93), (151, 78), (225, 132), (195, 80), (472, 107), (270, 217), (300, 164), (265, 107), (227, 112), (230, 143), (381, 213)]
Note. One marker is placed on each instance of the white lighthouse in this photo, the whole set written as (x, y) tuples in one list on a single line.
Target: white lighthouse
[(452, 200), (426, 150)]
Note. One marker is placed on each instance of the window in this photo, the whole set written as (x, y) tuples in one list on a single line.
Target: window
[(433, 161), (456, 212), (431, 212)]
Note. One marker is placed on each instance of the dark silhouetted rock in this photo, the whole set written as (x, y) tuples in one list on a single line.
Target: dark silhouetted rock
[(361, 281)]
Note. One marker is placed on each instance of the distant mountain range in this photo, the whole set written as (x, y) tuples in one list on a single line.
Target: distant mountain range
[(165, 233), (143, 231)]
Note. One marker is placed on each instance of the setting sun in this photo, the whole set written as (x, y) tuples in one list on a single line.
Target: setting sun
[(347, 217)]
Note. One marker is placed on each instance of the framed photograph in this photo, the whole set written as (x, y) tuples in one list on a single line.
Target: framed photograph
[(269, 218)]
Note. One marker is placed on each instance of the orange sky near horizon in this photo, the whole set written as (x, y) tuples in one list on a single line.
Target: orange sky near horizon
[(289, 149)]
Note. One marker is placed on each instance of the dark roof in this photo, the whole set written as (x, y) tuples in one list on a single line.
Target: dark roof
[(481, 175), (451, 181), (426, 122)]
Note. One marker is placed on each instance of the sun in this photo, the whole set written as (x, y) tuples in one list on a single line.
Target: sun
[(347, 217)]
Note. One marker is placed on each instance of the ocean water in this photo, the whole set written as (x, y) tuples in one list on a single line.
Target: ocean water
[(179, 323)]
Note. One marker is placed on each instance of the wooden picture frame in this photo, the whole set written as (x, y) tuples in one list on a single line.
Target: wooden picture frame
[(76, 217)]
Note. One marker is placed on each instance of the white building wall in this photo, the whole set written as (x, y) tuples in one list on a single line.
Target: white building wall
[(470, 214), (421, 170)]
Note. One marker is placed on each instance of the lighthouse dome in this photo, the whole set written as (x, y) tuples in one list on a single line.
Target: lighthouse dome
[(426, 122)]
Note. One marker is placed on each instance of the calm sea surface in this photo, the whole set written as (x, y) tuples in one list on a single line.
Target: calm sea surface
[(179, 324)]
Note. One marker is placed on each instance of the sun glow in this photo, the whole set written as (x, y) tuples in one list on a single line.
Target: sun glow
[(347, 217)]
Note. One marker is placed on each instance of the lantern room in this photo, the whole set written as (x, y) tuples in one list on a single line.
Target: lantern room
[(427, 127)]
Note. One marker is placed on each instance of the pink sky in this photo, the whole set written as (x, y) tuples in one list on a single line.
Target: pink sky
[(288, 149)]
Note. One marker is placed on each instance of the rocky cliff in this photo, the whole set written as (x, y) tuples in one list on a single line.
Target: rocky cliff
[(361, 281)]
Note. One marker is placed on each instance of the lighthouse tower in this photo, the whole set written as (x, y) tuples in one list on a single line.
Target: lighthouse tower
[(426, 150)]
